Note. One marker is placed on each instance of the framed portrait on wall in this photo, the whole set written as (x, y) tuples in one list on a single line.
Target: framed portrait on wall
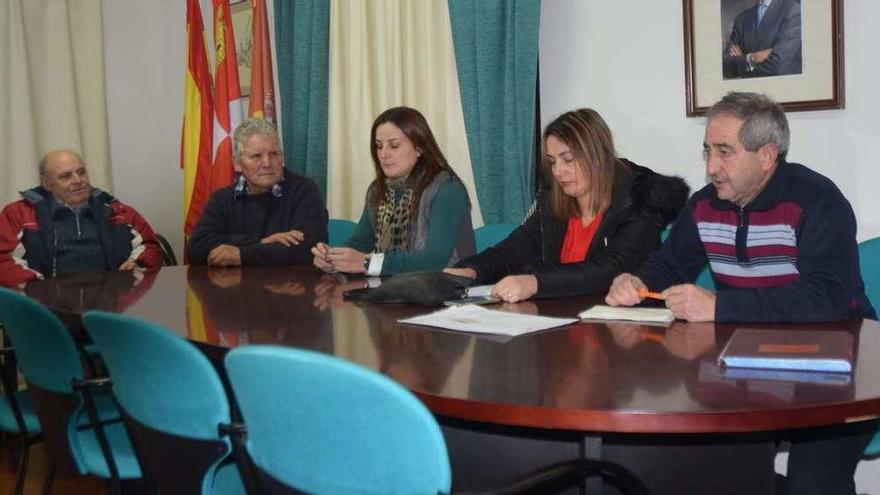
[(790, 50), (241, 12)]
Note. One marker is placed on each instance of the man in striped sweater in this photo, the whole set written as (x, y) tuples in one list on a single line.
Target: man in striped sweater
[(780, 240)]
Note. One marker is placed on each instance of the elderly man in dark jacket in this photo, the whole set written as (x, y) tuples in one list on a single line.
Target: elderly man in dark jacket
[(268, 217)]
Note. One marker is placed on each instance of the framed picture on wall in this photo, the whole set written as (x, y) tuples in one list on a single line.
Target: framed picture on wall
[(242, 28), (789, 50)]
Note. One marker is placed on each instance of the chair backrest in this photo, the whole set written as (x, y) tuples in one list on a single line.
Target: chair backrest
[(168, 257), (46, 353), (323, 425), (338, 231), (869, 262), (49, 361), (164, 383), (491, 234)]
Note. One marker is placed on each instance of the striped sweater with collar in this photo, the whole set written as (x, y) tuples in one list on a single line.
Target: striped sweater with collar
[(790, 255)]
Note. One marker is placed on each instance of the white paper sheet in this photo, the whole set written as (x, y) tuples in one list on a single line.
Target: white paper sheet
[(654, 315), (473, 318)]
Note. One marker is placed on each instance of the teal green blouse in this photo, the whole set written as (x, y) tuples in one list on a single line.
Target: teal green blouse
[(448, 209)]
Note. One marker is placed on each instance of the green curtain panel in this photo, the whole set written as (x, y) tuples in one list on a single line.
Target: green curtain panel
[(302, 36), (496, 53)]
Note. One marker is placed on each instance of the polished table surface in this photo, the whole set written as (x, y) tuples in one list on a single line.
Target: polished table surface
[(599, 377)]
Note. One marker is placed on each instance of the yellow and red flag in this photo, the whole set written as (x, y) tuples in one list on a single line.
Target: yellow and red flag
[(227, 95), (196, 140), (262, 101)]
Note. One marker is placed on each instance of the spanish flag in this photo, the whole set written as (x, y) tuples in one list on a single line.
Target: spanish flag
[(262, 101), (227, 95), (196, 138)]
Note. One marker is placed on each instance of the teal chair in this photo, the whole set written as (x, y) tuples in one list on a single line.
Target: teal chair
[(294, 402), (80, 424), (704, 279), (17, 414), (869, 263), (338, 231), (173, 402), (491, 234)]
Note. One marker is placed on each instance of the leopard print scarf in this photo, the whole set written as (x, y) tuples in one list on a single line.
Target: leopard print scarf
[(393, 218)]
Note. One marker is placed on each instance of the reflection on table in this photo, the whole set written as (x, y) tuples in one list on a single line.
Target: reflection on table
[(604, 377)]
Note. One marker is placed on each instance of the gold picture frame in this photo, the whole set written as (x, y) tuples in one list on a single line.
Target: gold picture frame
[(713, 67)]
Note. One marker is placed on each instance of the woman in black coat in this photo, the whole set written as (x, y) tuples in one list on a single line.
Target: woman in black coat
[(602, 217)]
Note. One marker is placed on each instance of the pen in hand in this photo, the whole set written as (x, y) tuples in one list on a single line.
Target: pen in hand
[(643, 293)]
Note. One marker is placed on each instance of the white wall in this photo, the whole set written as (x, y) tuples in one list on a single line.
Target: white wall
[(625, 59), (144, 64)]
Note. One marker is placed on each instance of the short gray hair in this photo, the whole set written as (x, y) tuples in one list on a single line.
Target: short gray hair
[(248, 128), (763, 119)]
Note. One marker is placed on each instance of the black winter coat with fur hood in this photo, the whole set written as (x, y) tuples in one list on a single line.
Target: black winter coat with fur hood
[(643, 202)]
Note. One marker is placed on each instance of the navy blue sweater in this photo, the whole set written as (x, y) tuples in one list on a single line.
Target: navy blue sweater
[(790, 255), (244, 220)]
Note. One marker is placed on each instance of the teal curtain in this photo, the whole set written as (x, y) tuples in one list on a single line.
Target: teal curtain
[(302, 37), (496, 53)]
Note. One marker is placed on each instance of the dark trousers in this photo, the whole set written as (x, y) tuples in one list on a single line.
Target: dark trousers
[(822, 461)]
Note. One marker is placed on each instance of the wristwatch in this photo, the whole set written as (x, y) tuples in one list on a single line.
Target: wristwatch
[(366, 263)]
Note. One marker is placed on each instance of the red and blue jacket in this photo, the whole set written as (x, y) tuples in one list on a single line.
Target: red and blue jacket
[(790, 255), (27, 247)]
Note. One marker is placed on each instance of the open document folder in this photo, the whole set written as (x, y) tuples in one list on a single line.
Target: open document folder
[(472, 318), (646, 315)]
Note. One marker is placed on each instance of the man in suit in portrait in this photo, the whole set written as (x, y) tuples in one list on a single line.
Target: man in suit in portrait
[(765, 41)]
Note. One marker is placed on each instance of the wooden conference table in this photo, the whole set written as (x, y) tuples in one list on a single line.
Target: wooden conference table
[(598, 389)]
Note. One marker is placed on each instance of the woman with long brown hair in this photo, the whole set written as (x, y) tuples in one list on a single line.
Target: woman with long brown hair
[(417, 214), (602, 216)]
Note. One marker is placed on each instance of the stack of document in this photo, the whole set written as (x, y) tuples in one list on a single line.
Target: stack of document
[(472, 318), (646, 315)]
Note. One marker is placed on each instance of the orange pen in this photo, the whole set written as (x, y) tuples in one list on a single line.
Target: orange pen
[(643, 293)]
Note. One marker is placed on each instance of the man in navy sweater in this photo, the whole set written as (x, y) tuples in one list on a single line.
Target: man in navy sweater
[(780, 240), (270, 216)]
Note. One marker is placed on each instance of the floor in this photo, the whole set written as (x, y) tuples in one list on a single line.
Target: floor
[(63, 485), (867, 476)]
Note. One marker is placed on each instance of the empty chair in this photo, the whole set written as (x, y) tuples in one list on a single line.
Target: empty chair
[(338, 231), (293, 403), (63, 398), (17, 415), (320, 424), (173, 402), (490, 234)]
